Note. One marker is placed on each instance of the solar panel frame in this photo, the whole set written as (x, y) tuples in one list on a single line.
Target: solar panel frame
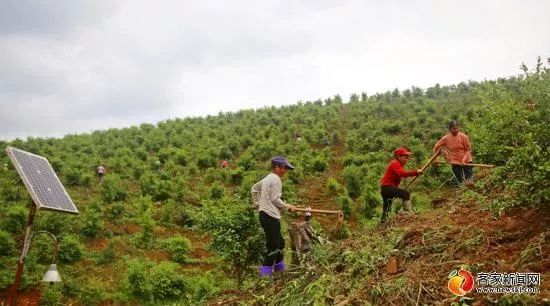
[(46, 189)]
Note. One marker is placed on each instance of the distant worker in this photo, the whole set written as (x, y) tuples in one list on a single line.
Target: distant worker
[(392, 178), (457, 150), (100, 172), (224, 163), (266, 195)]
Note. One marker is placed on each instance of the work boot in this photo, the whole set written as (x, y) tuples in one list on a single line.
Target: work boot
[(407, 206), (266, 271), (280, 266)]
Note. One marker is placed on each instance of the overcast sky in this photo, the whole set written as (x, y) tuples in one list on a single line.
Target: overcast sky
[(77, 66)]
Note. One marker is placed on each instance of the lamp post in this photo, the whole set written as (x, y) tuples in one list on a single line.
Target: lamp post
[(51, 276)]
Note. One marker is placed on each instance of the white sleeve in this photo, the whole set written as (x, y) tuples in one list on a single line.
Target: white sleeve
[(275, 196), (256, 191)]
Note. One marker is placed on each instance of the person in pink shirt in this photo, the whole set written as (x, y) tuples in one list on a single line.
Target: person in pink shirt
[(457, 150)]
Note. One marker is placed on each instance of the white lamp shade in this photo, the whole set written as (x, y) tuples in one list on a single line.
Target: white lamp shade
[(52, 276)]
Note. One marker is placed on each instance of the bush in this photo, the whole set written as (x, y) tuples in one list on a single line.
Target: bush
[(6, 275), (146, 237), (216, 191), (205, 161), (160, 189), (320, 164), (51, 295), (92, 292), (70, 249), (53, 222), (352, 177), (296, 176), (179, 248), (16, 219), (247, 162), (236, 239), (246, 185), (371, 198), (7, 244), (346, 203), (73, 177), (163, 190), (116, 211), (237, 176), (392, 129), (511, 133), (154, 282), (92, 223), (333, 186), (182, 158), (138, 280), (166, 283), (112, 189)]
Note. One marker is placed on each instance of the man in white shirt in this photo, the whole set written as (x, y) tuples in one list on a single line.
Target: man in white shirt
[(266, 195)]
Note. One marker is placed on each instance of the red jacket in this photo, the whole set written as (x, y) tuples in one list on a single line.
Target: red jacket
[(394, 173)]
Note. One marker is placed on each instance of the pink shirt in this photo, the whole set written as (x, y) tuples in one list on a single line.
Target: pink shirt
[(456, 149)]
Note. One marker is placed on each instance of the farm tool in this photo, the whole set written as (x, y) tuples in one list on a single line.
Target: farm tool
[(430, 161)]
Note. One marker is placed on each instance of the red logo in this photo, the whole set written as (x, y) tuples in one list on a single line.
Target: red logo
[(460, 282)]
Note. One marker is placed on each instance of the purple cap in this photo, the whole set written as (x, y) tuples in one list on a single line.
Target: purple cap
[(279, 160)]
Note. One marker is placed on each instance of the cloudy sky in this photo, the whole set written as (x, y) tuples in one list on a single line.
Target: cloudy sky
[(75, 66)]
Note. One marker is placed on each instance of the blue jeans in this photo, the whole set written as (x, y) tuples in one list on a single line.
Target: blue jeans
[(463, 173)]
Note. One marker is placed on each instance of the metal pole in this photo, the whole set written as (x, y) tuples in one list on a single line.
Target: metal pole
[(19, 272)]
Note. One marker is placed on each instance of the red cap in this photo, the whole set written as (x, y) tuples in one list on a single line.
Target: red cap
[(401, 151)]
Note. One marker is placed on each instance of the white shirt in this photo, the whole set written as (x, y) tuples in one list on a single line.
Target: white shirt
[(266, 195)]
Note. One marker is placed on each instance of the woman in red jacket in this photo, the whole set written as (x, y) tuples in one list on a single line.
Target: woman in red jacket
[(391, 179)]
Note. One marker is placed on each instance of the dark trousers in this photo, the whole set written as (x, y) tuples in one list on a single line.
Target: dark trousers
[(462, 173), (274, 242), (388, 194)]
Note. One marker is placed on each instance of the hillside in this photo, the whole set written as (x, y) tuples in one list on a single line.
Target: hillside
[(409, 262), (168, 225)]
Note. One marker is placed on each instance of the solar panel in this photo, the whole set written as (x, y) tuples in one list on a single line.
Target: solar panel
[(41, 181)]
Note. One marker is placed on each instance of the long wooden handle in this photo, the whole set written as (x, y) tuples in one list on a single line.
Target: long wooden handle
[(468, 164), (430, 161), (319, 210)]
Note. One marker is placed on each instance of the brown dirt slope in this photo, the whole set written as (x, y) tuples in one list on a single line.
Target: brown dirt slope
[(464, 235), (428, 247)]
